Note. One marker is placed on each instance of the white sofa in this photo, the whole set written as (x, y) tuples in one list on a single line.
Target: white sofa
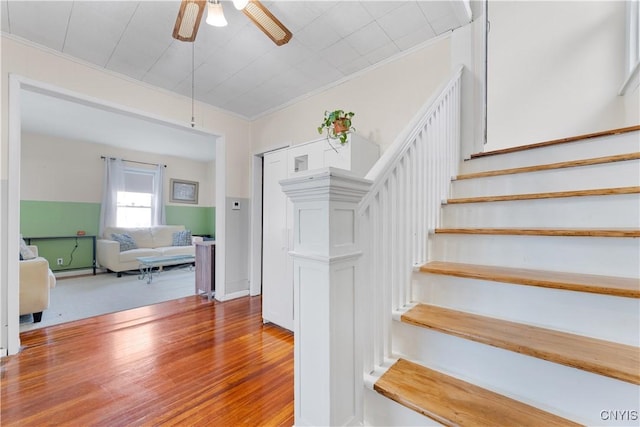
[(36, 279), (151, 241)]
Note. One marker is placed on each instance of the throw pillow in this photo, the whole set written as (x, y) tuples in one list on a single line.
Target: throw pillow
[(25, 252), (182, 238), (126, 242)]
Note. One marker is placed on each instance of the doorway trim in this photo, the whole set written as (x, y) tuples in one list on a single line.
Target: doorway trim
[(17, 84)]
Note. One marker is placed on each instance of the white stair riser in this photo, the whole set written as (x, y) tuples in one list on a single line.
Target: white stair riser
[(608, 256), (565, 391), (599, 316), (619, 211), (606, 175), (380, 411), (594, 147)]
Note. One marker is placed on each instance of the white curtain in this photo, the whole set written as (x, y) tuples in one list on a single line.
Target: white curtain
[(113, 182), (157, 204)]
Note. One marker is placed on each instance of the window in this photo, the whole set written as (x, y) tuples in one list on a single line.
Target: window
[(135, 202)]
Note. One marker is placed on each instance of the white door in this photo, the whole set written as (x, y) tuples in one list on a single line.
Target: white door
[(277, 278)]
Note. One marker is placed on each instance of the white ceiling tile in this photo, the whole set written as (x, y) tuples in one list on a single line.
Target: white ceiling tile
[(291, 53), (368, 38), (378, 9), (404, 20), (347, 17), (318, 34), (435, 9), (95, 29), (382, 53), (415, 38), (339, 53), (175, 64), (318, 70), (295, 14), (354, 65), (42, 22), (248, 46)]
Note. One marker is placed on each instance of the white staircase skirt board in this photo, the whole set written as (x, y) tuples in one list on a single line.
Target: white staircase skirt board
[(608, 256), (589, 148), (568, 392), (621, 210), (380, 411), (605, 175), (603, 317)]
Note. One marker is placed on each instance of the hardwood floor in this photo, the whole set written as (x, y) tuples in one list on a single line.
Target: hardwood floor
[(184, 362)]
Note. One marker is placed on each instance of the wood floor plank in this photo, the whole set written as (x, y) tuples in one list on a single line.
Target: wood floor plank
[(550, 166), (551, 195), (185, 362), (557, 141), (567, 232), (589, 354), (454, 402), (606, 285)]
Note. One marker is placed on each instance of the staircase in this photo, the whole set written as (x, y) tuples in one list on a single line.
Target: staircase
[(528, 311)]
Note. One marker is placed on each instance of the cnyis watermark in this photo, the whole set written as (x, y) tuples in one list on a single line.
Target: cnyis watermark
[(618, 415)]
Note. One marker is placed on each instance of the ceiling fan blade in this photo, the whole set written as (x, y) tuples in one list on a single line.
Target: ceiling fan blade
[(188, 20), (268, 23)]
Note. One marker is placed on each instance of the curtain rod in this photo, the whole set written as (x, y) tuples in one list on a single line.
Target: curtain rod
[(134, 161)]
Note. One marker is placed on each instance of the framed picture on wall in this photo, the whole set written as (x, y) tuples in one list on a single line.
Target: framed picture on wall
[(183, 191)]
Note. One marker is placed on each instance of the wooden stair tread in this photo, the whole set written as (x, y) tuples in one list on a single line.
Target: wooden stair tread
[(557, 141), (606, 285), (549, 166), (551, 195), (454, 402), (567, 232), (611, 359)]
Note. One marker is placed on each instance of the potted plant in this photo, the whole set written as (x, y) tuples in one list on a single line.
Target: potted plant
[(338, 124)]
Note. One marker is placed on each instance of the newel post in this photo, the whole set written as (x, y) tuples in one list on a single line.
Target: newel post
[(328, 355)]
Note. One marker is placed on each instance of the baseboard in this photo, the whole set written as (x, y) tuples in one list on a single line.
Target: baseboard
[(73, 273)]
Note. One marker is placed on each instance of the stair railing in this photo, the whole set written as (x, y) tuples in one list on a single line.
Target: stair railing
[(410, 181)]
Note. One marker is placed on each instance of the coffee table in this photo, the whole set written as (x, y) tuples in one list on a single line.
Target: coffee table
[(147, 263)]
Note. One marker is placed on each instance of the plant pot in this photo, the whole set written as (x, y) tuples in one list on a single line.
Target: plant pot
[(340, 126)]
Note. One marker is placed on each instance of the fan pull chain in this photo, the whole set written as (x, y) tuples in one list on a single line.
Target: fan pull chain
[(193, 65)]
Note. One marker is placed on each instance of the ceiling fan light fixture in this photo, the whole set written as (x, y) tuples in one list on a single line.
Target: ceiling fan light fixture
[(215, 15), (188, 20), (268, 23), (240, 4)]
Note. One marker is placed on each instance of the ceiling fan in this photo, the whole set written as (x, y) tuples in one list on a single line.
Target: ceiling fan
[(191, 11)]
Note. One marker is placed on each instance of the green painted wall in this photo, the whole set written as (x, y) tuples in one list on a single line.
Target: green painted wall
[(200, 220), (46, 219)]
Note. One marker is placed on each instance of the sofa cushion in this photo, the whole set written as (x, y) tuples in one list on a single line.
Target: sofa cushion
[(141, 235), (126, 242), (163, 234), (181, 238), (177, 250), (140, 252)]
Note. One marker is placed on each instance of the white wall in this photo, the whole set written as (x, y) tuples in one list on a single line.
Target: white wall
[(57, 169), (555, 69), (46, 66), (383, 99)]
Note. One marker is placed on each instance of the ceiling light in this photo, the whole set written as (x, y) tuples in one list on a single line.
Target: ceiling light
[(215, 15), (240, 4), (188, 20), (268, 23)]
